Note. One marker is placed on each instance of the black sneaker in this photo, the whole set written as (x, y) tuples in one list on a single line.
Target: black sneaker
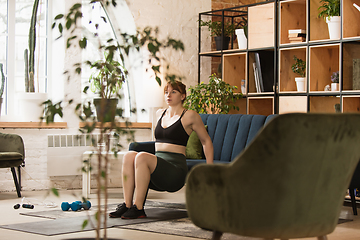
[(120, 210), (134, 213)]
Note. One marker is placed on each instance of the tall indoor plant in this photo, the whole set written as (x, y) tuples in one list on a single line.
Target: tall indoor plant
[(106, 81), (30, 57), (330, 11), (127, 43), (31, 99), (214, 97)]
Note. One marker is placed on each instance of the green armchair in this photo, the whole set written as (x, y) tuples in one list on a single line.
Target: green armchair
[(290, 182), (12, 154)]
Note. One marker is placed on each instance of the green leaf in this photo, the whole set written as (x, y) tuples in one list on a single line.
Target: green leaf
[(158, 80), (59, 16), (85, 223), (76, 6), (78, 70), (83, 43), (60, 26), (68, 23), (55, 191)]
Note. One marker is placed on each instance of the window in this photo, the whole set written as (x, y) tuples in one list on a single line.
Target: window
[(15, 17), (93, 14)]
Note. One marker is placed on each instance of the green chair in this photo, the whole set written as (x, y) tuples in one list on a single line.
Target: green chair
[(290, 182), (12, 155)]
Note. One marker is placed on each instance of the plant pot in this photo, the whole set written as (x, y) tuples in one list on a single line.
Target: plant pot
[(241, 38), (300, 84), (224, 45), (30, 108), (334, 86), (334, 27), (106, 114)]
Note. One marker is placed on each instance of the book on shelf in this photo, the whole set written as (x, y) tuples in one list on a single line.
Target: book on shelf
[(297, 31), (296, 38), (291, 35), (256, 76), (259, 71)]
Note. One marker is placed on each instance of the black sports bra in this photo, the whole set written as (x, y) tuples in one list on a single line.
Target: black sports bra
[(174, 134)]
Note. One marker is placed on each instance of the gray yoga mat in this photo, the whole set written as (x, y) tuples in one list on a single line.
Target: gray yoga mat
[(74, 224), (58, 213), (184, 227)]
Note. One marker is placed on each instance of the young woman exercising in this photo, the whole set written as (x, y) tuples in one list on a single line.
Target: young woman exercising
[(167, 169)]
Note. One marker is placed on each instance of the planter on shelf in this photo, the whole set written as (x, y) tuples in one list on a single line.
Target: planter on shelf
[(106, 114), (334, 86), (222, 43), (241, 38), (30, 105), (334, 27), (300, 84)]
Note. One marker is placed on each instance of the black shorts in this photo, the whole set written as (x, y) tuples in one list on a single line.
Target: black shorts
[(170, 172)]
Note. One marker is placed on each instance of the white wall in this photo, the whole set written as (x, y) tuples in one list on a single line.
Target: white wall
[(175, 18)]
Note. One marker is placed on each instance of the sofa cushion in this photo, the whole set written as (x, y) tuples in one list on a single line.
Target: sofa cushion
[(194, 148), (231, 133)]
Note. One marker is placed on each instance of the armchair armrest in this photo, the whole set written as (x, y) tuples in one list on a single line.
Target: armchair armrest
[(143, 147), (11, 143)]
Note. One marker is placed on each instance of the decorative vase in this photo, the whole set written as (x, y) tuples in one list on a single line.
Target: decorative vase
[(334, 27), (334, 86), (241, 38), (106, 114), (224, 45), (30, 108), (300, 84)]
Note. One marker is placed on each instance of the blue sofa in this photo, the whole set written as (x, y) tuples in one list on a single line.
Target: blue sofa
[(230, 134)]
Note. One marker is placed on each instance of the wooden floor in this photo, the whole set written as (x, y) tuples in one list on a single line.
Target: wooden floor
[(345, 231)]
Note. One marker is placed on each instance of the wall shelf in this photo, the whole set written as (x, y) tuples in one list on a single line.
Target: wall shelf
[(269, 23)]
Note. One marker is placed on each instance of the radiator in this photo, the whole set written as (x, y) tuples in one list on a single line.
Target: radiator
[(64, 153)]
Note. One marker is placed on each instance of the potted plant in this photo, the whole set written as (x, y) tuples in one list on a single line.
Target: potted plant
[(106, 81), (335, 81), (221, 38), (241, 33), (330, 11), (30, 100), (2, 86), (299, 67), (215, 97)]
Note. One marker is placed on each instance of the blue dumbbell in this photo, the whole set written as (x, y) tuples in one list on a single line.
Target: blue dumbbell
[(86, 205), (75, 206)]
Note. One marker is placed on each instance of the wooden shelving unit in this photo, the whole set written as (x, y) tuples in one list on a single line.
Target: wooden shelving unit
[(269, 23)]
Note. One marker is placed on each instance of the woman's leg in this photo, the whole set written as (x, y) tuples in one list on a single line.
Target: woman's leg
[(145, 164), (128, 176)]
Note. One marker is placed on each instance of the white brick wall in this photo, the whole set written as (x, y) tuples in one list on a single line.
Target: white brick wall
[(35, 176)]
